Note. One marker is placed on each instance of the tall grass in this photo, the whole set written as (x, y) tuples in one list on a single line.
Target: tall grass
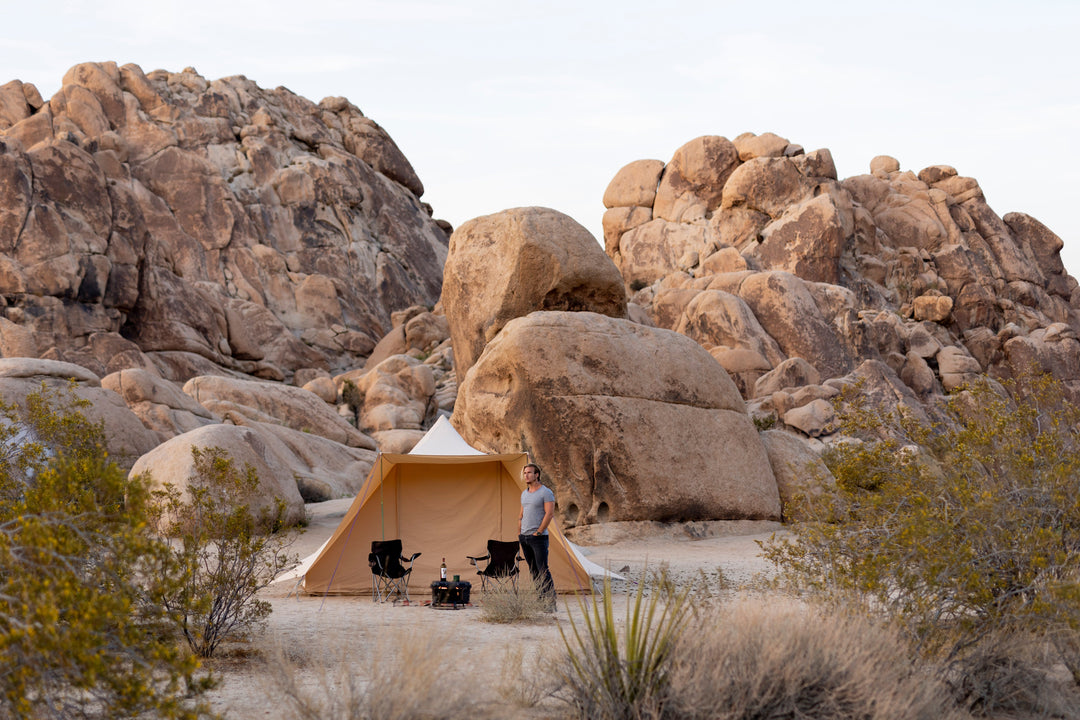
[(616, 671)]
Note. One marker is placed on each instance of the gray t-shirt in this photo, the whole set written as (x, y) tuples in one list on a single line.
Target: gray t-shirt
[(532, 504)]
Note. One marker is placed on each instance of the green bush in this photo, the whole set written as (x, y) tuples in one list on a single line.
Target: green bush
[(958, 530), (224, 552), (78, 636)]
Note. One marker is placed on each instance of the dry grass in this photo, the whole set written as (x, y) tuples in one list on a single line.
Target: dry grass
[(525, 681), (1014, 675), (400, 678), (792, 661), (504, 604)]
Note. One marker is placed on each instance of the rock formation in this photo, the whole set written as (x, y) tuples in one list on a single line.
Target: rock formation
[(630, 422), (506, 265), (126, 438), (757, 250), (203, 227), (796, 283), (181, 248), (176, 246)]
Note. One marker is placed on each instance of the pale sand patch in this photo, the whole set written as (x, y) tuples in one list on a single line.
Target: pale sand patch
[(320, 633)]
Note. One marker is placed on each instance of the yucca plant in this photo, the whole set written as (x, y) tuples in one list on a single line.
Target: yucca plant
[(617, 673)]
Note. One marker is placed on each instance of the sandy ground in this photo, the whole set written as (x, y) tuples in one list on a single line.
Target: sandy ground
[(320, 634)]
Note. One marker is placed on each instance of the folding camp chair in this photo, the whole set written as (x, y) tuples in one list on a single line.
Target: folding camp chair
[(501, 564), (388, 575)]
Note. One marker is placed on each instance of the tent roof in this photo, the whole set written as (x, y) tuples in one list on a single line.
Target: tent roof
[(443, 439)]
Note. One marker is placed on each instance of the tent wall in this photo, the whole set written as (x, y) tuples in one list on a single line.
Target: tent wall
[(441, 507)]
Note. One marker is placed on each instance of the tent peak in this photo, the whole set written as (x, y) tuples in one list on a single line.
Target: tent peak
[(443, 439)]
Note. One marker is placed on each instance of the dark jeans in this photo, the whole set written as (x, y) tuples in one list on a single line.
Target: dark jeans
[(534, 548)]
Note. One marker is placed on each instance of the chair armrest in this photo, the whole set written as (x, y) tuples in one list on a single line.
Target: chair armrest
[(410, 559), (474, 558)]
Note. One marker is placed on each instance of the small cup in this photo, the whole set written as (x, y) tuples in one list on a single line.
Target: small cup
[(457, 578)]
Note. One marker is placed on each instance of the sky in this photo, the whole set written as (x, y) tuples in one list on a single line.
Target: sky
[(500, 104)]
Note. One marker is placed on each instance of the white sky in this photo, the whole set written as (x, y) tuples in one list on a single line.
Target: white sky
[(500, 104)]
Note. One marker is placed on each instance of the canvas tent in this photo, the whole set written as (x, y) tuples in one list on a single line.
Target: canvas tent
[(441, 505)]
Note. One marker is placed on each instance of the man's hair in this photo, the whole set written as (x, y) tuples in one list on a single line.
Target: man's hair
[(533, 465)]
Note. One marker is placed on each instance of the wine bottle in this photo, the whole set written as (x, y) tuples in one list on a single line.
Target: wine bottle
[(442, 570)]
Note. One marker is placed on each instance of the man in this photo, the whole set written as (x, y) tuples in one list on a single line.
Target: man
[(537, 510)]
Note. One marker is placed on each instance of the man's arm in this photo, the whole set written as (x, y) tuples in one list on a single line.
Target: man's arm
[(521, 514), (549, 512)]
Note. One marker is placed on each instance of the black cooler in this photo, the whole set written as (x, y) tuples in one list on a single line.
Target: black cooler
[(450, 593)]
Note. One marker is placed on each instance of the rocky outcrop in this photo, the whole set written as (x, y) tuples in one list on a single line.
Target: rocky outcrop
[(203, 226), (629, 422), (286, 405), (161, 229), (158, 403), (764, 256), (507, 265)]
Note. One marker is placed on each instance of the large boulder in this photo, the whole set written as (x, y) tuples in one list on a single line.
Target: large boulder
[(717, 318), (172, 463), (630, 422), (656, 248), (693, 180), (787, 310), (807, 240), (799, 470), (507, 265), (634, 185)]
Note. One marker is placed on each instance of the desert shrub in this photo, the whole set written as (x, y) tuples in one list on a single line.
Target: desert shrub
[(352, 396), (957, 530), (224, 552), (764, 422), (760, 661), (78, 634), (508, 604), (613, 671)]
